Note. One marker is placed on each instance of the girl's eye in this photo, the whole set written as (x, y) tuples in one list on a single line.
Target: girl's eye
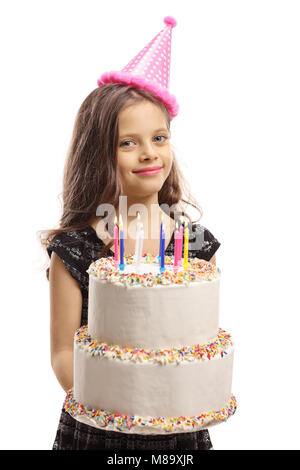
[(127, 143), (161, 137), (124, 144)]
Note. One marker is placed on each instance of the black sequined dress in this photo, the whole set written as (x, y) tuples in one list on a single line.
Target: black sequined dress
[(78, 249)]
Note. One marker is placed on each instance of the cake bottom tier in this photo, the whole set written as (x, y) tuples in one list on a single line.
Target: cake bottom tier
[(151, 391), (109, 421)]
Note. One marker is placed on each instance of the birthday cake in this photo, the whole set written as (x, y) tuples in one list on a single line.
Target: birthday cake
[(152, 358)]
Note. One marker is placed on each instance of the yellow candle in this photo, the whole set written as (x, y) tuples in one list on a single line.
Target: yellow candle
[(186, 249)]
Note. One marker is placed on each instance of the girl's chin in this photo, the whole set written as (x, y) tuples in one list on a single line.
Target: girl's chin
[(143, 190), (146, 182), (149, 185)]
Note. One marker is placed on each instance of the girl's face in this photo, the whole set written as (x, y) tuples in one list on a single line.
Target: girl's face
[(144, 142)]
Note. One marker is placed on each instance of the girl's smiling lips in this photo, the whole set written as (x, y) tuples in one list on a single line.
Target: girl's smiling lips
[(149, 170)]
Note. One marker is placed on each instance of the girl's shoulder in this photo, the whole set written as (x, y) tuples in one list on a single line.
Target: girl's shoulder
[(74, 243), (71, 239), (202, 243), (77, 249)]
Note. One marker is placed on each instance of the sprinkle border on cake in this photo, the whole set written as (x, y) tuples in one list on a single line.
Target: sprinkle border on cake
[(198, 270), (103, 418), (207, 351)]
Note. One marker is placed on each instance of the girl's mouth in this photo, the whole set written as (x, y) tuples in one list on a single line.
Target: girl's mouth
[(154, 170)]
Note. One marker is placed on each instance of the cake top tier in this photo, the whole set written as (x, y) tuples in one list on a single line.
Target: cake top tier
[(149, 273)]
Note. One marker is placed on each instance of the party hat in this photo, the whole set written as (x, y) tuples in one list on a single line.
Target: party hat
[(150, 68)]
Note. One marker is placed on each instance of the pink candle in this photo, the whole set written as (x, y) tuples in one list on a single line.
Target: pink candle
[(180, 245), (116, 239), (177, 246)]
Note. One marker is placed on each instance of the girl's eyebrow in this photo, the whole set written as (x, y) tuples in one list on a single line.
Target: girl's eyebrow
[(131, 134)]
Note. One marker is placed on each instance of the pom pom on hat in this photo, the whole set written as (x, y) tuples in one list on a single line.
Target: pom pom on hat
[(169, 20)]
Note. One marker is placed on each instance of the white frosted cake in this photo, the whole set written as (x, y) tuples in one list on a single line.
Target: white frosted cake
[(152, 358)]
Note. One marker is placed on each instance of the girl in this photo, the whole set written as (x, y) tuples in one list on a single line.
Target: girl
[(119, 130)]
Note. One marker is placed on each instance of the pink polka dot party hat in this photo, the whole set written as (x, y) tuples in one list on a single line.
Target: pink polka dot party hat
[(150, 68)]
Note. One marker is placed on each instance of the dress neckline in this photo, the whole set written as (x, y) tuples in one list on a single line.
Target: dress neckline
[(98, 238)]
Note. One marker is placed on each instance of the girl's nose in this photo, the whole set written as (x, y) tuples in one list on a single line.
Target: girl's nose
[(148, 151)]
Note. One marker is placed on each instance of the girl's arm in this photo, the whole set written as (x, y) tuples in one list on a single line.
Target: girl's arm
[(65, 317)]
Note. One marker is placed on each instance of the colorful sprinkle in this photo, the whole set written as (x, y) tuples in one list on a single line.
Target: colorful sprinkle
[(219, 346), (197, 271), (104, 418)]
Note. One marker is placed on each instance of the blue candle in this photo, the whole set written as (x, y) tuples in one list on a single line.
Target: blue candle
[(121, 265), (160, 239)]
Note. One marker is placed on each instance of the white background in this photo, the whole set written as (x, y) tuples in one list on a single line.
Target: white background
[(235, 72)]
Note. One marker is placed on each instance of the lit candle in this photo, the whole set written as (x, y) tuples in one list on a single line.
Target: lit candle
[(139, 244), (139, 254), (162, 257), (139, 223), (180, 241), (116, 240), (160, 238), (121, 265), (186, 248), (177, 246)]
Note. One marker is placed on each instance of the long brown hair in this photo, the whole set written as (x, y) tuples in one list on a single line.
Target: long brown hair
[(90, 173)]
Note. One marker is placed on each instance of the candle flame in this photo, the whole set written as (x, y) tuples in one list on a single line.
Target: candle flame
[(138, 216), (121, 222), (176, 226), (185, 223), (161, 218), (116, 220)]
